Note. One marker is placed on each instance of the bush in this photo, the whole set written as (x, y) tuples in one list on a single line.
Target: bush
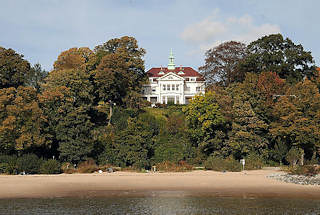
[(307, 170), (221, 164), (159, 105), (173, 148), (88, 166), (8, 164), (50, 167), (168, 166), (172, 152), (293, 156), (29, 163), (68, 168), (3, 168), (254, 161)]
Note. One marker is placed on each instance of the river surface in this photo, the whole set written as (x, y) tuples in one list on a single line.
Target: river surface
[(159, 206)]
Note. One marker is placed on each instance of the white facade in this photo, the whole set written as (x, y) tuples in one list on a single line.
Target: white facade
[(173, 85), (172, 88)]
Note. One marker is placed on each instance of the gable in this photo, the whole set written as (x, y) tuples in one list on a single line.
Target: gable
[(171, 77)]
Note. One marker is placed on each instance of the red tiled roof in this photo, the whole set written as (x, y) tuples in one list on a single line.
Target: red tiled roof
[(188, 72), (318, 69)]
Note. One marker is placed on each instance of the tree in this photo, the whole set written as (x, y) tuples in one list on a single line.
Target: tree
[(271, 85), (74, 58), (77, 80), (260, 90), (132, 146), (119, 69), (36, 77), (68, 127), (118, 73), (51, 102), (110, 79), (73, 132), (247, 132), (297, 118), (21, 120), (221, 63), (14, 70), (69, 113), (205, 122), (276, 54)]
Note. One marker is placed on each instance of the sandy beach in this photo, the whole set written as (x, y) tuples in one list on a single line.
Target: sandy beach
[(248, 184)]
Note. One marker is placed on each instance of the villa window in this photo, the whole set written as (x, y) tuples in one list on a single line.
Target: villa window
[(168, 87), (198, 89), (177, 100), (172, 87), (177, 87), (164, 87)]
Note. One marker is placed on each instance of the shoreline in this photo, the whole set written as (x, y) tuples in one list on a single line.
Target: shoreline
[(247, 184)]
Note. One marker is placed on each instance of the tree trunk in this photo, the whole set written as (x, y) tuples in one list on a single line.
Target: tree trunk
[(110, 113), (302, 158)]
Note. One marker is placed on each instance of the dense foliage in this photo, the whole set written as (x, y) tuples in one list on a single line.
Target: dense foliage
[(263, 104)]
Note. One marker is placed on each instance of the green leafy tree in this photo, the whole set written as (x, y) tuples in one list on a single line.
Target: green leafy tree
[(205, 122), (69, 114), (74, 135), (133, 145), (52, 102), (247, 131), (14, 70), (119, 69), (276, 54)]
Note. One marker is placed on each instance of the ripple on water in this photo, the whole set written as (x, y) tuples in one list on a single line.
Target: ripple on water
[(159, 206)]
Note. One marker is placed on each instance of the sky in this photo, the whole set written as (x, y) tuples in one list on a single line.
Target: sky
[(42, 29)]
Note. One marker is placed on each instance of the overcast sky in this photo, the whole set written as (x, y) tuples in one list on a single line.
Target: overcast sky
[(41, 29)]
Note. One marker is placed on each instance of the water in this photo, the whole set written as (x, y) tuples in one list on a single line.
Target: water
[(158, 206)]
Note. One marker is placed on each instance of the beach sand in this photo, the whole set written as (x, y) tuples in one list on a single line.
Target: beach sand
[(247, 184)]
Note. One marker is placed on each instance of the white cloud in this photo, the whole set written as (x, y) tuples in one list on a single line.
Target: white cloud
[(215, 30)]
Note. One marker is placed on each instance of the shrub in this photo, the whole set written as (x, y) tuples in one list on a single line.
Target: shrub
[(221, 164), (169, 151), (29, 163), (293, 156), (50, 167), (307, 170), (105, 167), (88, 166), (3, 168), (68, 168), (159, 105), (169, 166), (254, 161), (8, 164), (173, 148)]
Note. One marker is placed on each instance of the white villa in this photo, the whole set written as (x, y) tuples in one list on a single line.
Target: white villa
[(173, 84)]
